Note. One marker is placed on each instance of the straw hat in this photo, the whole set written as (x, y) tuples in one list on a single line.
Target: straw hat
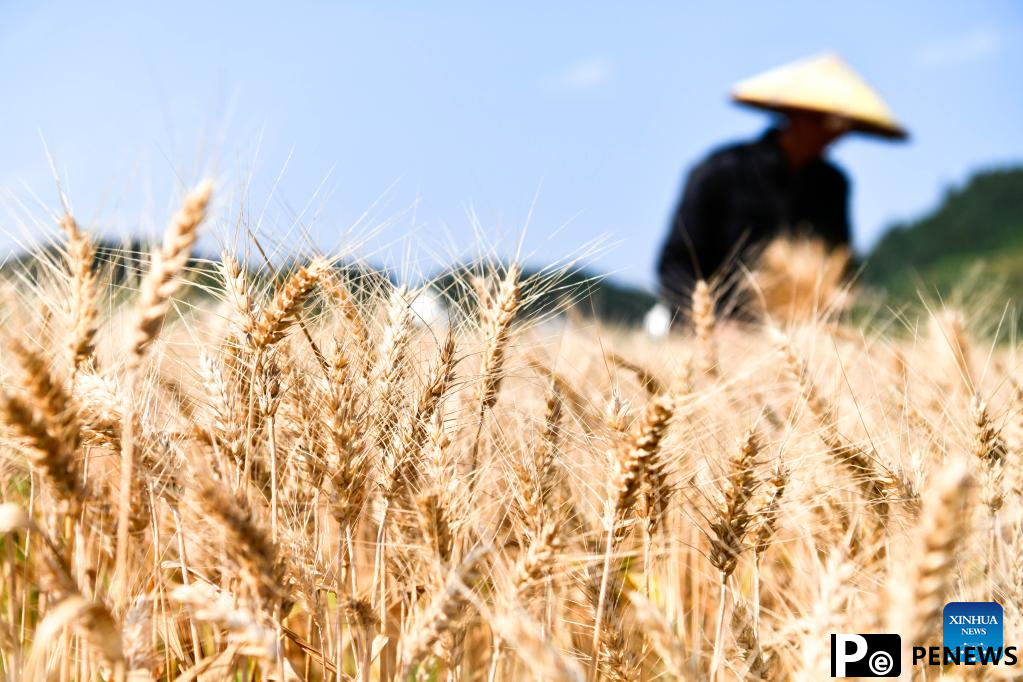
[(824, 84)]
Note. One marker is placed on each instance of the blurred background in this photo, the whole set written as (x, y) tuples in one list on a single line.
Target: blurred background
[(539, 129)]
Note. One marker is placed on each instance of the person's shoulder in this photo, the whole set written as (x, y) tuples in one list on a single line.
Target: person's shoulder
[(831, 173), (725, 159)]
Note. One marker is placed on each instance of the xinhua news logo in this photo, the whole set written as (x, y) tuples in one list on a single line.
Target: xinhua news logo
[(866, 655), (972, 626)]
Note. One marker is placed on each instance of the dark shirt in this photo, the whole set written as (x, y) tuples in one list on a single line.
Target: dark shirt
[(739, 198)]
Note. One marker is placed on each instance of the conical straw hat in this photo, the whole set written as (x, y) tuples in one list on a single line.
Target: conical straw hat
[(824, 84)]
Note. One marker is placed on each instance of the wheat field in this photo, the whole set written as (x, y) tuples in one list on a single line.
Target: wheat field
[(298, 478)]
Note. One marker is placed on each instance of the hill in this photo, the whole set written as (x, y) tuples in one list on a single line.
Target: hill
[(974, 235), (975, 232), (592, 295)]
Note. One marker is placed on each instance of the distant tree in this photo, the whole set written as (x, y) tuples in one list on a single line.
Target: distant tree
[(982, 221)]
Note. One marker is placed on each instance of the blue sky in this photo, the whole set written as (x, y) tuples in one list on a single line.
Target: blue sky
[(447, 123)]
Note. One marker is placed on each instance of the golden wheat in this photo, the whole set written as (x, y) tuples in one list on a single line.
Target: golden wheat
[(217, 498)]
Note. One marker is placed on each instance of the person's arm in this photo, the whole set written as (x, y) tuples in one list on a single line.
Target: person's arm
[(692, 249)]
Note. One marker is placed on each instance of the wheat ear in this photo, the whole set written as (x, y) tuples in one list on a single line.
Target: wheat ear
[(988, 445), (81, 253), (237, 291), (389, 366), (497, 318), (635, 454), (748, 643), (349, 461), (412, 438), (161, 283), (245, 537), (497, 314), (282, 312), (537, 477), (46, 420), (729, 528), (733, 519), (990, 450), (703, 322), (538, 561)]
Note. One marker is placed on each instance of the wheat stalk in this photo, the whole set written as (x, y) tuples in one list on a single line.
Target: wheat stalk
[(156, 296), (631, 460), (945, 525), (732, 522)]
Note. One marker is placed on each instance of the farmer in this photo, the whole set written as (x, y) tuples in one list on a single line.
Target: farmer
[(744, 194)]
